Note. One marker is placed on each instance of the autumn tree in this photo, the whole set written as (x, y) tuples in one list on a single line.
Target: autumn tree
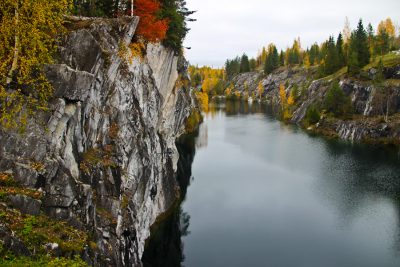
[(260, 90), (150, 27), (28, 36)]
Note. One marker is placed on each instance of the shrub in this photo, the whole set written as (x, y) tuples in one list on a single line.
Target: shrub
[(312, 115), (336, 101)]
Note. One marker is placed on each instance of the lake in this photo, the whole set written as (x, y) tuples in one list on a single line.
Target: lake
[(258, 192)]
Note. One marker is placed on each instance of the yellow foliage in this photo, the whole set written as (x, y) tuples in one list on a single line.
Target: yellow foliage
[(28, 32), (260, 89), (388, 26), (282, 95), (290, 100), (209, 84), (203, 100), (306, 61), (137, 51)]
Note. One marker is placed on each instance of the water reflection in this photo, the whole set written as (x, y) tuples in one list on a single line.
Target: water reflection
[(165, 248), (267, 194)]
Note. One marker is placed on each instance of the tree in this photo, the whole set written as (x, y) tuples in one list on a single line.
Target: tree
[(336, 101), (252, 64), (272, 61), (260, 90), (388, 26), (382, 94), (314, 54), (150, 27), (244, 64), (28, 32), (340, 51), (358, 48), (346, 31), (177, 15), (282, 58), (332, 57)]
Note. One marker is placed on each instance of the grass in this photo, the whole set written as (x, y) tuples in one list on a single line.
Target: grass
[(389, 60)]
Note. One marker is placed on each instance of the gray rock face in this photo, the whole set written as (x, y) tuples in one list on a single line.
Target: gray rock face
[(25, 204), (108, 144), (365, 96)]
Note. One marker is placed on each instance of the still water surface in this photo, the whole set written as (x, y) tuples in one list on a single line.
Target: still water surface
[(267, 194)]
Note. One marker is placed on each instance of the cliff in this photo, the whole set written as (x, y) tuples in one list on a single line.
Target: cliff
[(364, 124), (103, 158)]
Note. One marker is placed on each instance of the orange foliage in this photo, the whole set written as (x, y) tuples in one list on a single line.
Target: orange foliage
[(150, 27)]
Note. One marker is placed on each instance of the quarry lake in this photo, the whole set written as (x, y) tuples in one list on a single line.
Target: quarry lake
[(263, 193)]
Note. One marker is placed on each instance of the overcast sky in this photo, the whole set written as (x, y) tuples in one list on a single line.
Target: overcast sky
[(226, 28)]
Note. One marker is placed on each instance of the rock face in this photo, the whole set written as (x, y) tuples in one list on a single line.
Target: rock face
[(105, 154), (365, 97)]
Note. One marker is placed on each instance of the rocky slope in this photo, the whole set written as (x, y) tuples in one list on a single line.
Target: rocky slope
[(365, 124), (104, 157)]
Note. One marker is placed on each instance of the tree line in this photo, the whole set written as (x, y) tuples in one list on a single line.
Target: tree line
[(352, 49), (161, 20)]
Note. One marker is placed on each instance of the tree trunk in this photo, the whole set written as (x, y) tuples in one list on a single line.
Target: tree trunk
[(14, 64), (131, 8)]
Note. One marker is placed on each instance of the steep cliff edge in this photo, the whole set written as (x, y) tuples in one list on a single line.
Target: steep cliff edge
[(365, 123), (104, 157)]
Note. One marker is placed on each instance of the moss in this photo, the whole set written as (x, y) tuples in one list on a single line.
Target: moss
[(105, 214), (43, 261), (37, 231)]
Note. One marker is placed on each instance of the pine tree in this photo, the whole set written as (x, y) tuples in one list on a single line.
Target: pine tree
[(272, 61), (340, 51), (358, 49), (282, 59), (332, 58), (244, 64)]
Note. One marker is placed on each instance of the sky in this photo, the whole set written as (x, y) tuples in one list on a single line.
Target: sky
[(227, 28)]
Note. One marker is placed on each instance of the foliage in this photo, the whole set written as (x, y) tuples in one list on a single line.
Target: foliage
[(260, 90), (272, 60), (150, 28), (43, 261), (28, 32), (193, 121), (312, 115), (211, 81), (244, 64), (336, 101), (37, 231), (358, 50), (177, 14), (8, 186), (202, 97)]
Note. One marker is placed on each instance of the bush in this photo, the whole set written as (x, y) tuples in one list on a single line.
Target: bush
[(337, 102), (312, 115)]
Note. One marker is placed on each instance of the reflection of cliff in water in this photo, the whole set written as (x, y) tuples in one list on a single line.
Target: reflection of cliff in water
[(164, 247)]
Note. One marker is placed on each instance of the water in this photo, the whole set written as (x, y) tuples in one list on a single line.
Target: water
[(263, 193)]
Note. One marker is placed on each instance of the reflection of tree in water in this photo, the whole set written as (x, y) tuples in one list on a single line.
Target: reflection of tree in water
[(164, 247), (355, 174)]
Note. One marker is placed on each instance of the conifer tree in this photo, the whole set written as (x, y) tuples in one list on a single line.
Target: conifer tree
[(244, 64), (358, 49), (340, 51)]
